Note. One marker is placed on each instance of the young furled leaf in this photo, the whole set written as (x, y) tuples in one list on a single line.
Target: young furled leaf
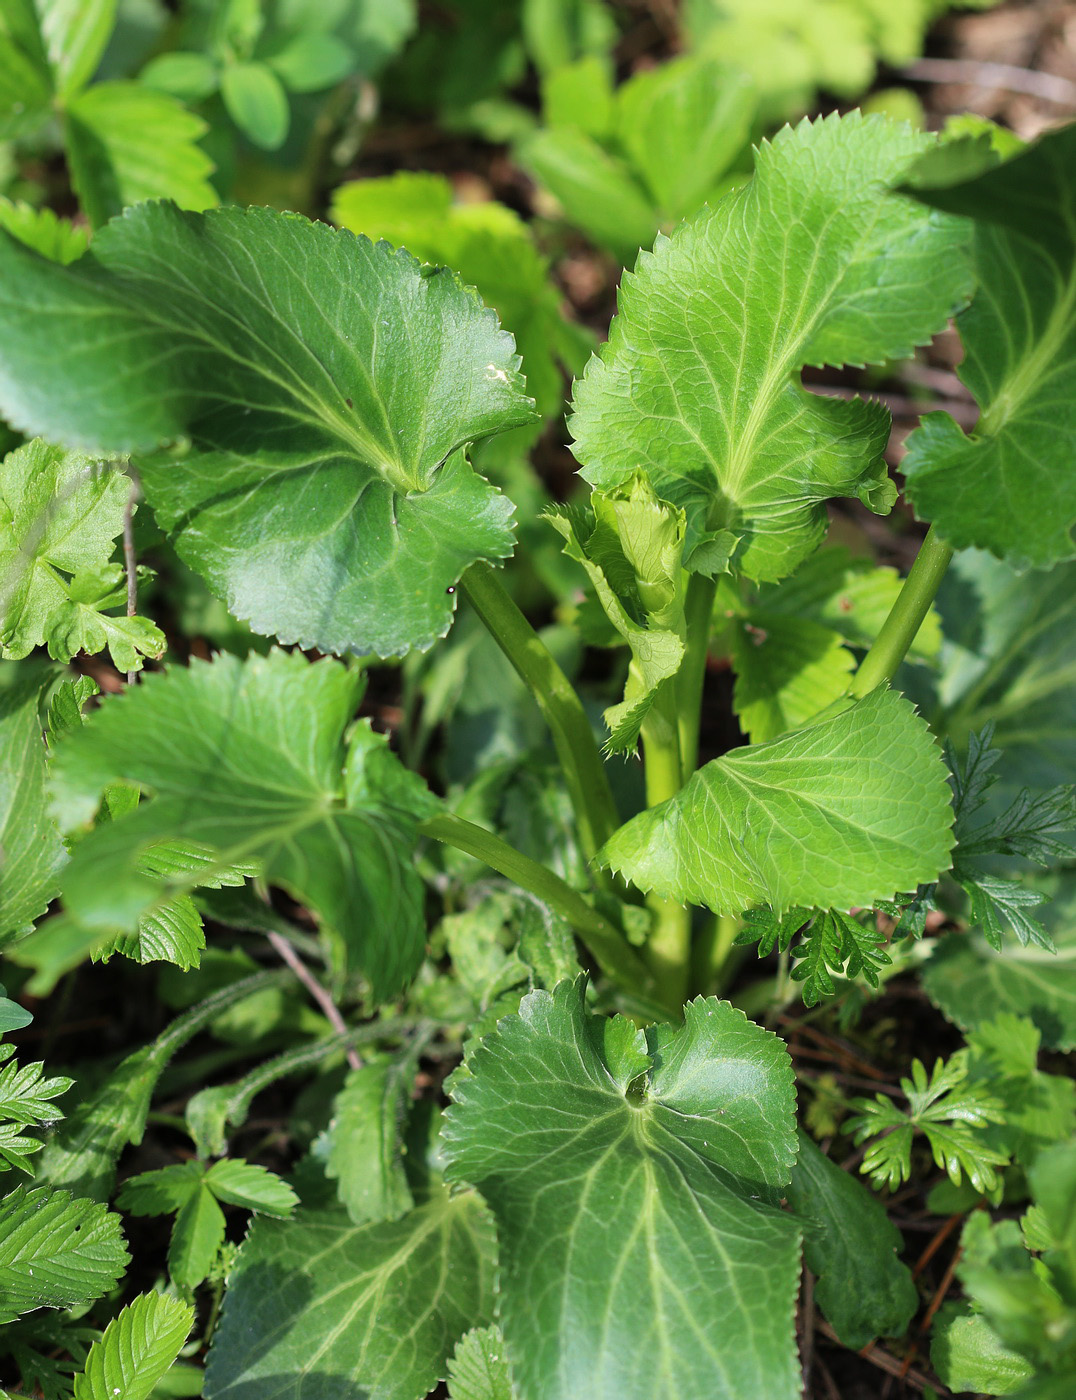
[(746, 828), (386, 1301), (33, 853), (656, 1157), (55, 1251), (249, 759), (361, 378), (863, 1289), (810, 263), (1007, 487), (25, 1101), (947, 1109), (631, 543), (136, 1349), (60, 514)]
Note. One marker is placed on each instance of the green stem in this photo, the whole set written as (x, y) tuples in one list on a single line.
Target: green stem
[(669, 946), (905, 617), (607, 944), (698, 613), (584, 772), (716, 958)]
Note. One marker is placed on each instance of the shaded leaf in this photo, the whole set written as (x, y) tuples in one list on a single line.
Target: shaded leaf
[(365, 1154), (387, 1302), (652, 1157)]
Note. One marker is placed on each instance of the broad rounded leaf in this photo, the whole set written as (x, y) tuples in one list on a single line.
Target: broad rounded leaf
[(248, 758), (631, 1176), (810, 263), (836, 816), (319, 1306), (1008, 486), (257, 103), (317, 389)]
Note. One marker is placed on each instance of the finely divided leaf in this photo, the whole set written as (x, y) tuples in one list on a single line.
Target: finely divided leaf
[(838, 815), (31, 852), (810, 263), (25, 1101), (630, 1174), (316, 391), (321, 1306), (60, 515), (56, 1251), (136, 1349), (863, 1289), (248, 758), (1008, 486)]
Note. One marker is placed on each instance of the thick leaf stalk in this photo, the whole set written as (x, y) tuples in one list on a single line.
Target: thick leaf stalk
[(906, 616)]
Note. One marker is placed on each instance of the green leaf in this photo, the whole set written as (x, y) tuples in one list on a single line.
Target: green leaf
[(75, 34), (1007, 487), (43, 230), (13, 1017), (659, 1182), (479, 1368), (163, 1191), (787, 671), (337, 511), (83, 1154), (25, 77), (126, 143), (972, 982), (364, 1156), (196, 1237), (25, 1100), (810, 263), (490, 247), (245, 1184), (596, 190), (836, 943), (60, 514), (188, 76), (258, 746), (33, 854), (737, 834), (683, 123), (382, 1305), (137, 1348), (968, 1355), (55, 1251), (312, 62), (256, 102), (863, 1289)]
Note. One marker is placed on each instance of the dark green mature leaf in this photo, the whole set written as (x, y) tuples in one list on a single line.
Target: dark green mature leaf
[(863, 1289), (321, 1306), (31, 852), (479, 1368), (652, 1157), (1007, 487), (249, 759), (56, 1251), (837, 815), (333, 508), (126, 143), (137, 1347), (811, 263), (60, 515)]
